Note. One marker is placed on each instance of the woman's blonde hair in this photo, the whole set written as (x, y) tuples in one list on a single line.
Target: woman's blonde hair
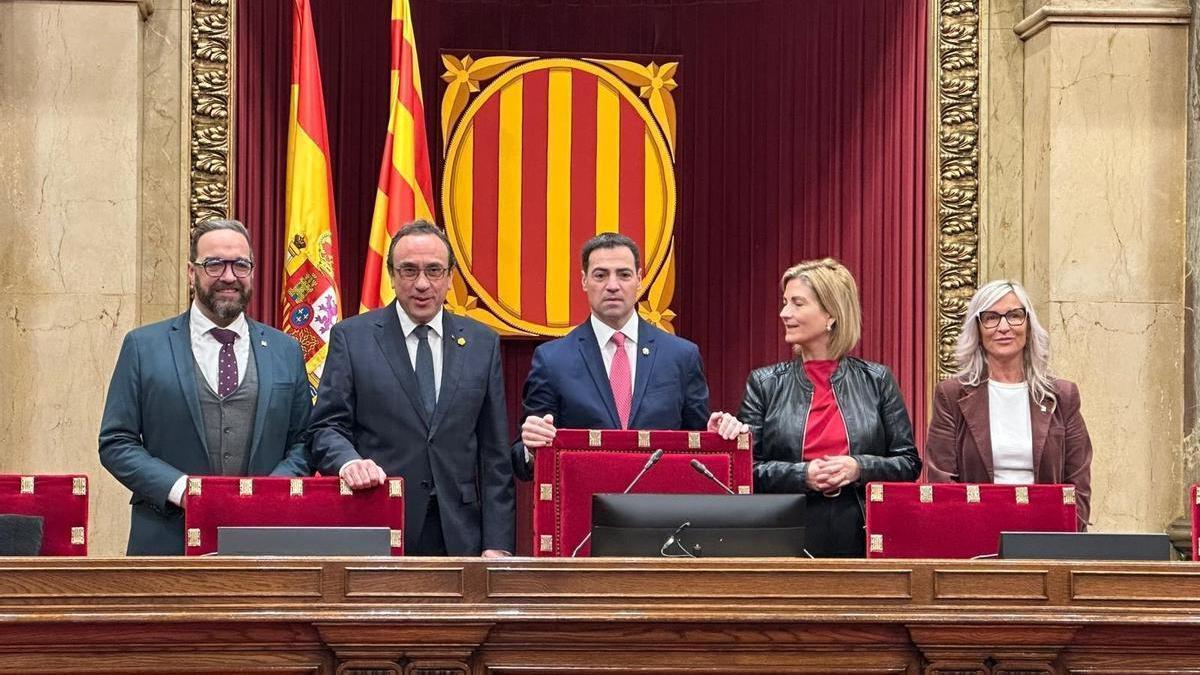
[(972, 359), (837, 293)]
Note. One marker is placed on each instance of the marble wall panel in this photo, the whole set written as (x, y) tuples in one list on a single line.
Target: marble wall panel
[(153, 313), (54, 397), (1001, 236), (1036, 191), (1103, 159), (1117, 99), (69, 102), (70, 119), (164, 158), (1033, 5), (1133, 411)]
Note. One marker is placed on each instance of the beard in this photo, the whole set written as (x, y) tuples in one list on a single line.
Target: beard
[(221, 308)]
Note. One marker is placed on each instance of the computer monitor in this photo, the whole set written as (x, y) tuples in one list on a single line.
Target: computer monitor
[(693, 526), (1085, 546), (20, 534)]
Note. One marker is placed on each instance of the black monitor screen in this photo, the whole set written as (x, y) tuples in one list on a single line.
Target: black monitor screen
[(687, 526), (1085, 546)]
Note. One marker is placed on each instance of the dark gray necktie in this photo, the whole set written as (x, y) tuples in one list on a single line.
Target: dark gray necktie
[(425, 368)]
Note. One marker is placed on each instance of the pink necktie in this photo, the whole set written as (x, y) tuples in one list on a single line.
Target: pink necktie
[(620, 381)]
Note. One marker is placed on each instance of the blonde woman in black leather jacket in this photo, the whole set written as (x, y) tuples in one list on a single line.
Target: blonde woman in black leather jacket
[(825, 423)]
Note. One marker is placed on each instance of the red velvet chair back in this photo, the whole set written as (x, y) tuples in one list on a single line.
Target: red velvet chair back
[(216, 501), (957, 520), (1195, 502), (582, 463), (62, 503)]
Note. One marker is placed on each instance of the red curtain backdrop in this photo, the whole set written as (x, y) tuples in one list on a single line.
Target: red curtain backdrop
[(801, 135)]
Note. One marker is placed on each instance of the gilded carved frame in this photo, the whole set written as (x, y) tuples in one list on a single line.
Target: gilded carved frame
[(952, 167), (210, 110)]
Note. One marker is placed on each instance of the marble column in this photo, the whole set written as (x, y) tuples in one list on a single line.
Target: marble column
[(1104, 131), (1001, 240), (164, 169), (1191, 448), (90, 176)]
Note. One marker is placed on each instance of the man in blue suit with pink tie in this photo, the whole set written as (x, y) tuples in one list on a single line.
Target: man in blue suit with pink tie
[(615, 370)]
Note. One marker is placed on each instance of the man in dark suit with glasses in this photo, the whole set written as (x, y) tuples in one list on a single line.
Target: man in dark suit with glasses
[(208, 392), (411, 390)]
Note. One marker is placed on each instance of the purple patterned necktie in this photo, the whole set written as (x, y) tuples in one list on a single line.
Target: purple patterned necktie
[(227, 369)]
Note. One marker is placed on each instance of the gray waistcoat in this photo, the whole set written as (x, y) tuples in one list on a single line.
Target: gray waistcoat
[(229, 422)]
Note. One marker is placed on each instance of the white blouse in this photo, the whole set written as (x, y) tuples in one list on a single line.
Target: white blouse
[(1012, 434)]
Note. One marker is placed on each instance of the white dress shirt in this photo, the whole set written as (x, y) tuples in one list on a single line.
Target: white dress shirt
[(435, 344), (411, 342), (207, 349), (608, 348), (1012, 434)]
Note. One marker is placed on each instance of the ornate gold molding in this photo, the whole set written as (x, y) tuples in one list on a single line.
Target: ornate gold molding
[(210, 91), (955, 158)]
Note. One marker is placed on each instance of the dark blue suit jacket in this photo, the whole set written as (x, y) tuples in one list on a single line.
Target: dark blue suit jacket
[(567, 379), (152, 431), (368, 405)]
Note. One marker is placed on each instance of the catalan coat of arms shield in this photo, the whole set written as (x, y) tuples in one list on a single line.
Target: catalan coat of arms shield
[(543, 154)]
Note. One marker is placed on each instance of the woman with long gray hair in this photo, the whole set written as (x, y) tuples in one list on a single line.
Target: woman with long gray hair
[(1004, 417)]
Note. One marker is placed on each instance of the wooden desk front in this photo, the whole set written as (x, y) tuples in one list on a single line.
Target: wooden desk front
[(521, 615)]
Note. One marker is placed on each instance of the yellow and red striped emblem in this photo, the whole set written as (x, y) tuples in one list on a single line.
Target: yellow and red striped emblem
[(551, 152)]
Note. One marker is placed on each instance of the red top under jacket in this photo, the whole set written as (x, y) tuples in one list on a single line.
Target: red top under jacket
[(825, 433)]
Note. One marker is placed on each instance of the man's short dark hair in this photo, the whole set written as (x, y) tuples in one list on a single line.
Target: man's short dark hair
[(419, 226), (610, 240), (214, 225)]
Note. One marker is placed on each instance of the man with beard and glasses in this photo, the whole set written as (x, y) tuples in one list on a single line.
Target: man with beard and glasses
[(208, 392)]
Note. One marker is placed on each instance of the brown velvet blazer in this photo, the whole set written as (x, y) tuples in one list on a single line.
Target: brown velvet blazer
[(959, 445)]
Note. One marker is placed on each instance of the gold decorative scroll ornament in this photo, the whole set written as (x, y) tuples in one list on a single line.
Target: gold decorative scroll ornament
[(954, 163)]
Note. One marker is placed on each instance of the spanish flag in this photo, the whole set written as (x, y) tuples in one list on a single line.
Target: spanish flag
[(405, 188), (311, 303)]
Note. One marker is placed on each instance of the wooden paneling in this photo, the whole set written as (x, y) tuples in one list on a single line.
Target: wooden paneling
[(697, 584), (137, 583), (395, 584), (1014, 585), (473, 616)]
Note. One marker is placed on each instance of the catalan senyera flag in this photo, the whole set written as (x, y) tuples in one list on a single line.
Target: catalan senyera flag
[(311, 302), (405, 187)]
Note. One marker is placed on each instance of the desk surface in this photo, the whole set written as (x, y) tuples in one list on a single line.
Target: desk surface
[(524, 615)]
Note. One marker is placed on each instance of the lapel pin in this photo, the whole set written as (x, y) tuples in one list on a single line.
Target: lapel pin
[(263, 343), (645, 351), (462, 342)]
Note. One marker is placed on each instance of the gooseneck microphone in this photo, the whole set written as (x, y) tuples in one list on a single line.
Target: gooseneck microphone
[(654, 457), (703, 471)]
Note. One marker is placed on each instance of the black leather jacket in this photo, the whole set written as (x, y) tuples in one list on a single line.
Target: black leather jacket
[(877, 423)]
